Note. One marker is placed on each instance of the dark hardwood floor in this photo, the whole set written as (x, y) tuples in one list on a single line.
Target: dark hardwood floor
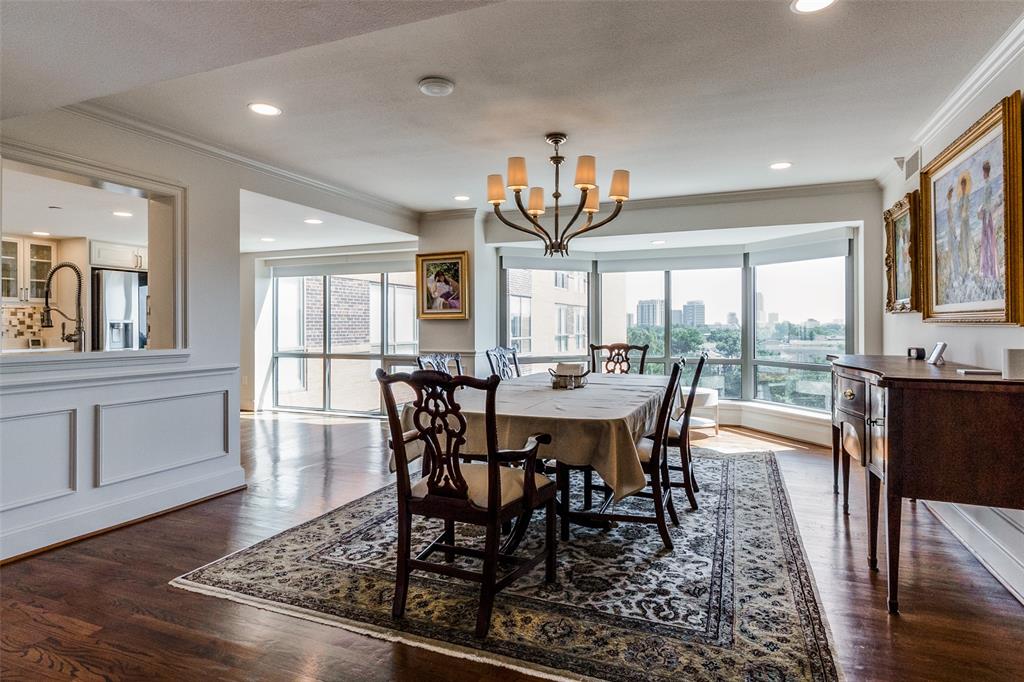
[(101, 608)]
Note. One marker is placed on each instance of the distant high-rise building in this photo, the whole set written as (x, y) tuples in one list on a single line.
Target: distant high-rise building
[(732, 319), (650, 312), (693, 314), (773, 318), (630, 319), (677, 318), (759, 307)]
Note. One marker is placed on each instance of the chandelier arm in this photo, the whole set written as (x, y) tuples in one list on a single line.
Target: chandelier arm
[(533, 221), (579, 209), (586, 226), (502, 218), (594, 226)]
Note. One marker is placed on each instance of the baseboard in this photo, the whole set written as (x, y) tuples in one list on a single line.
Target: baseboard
[(81, 523), (994, 540)]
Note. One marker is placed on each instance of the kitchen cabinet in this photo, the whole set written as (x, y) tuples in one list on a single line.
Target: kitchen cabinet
[(121, 256), (26, 262)]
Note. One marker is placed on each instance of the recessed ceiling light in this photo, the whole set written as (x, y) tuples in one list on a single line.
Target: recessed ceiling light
[(41, 234), (313, 221), (264, 109), (808, 6), (122, 214), (267, 239), (780, 165), (436, 86), (658, 242), (460, 197)]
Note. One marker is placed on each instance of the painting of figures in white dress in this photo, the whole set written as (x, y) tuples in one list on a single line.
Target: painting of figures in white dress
[(968, 200)]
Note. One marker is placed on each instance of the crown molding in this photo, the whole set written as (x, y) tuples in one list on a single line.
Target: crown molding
[(168, 135), (1002, 54), (448, 214), (740, 196)]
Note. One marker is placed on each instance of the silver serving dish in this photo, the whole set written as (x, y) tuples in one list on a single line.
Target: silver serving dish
[(568, 381)]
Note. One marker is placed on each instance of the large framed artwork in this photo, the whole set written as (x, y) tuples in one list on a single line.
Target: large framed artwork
[(901, 228), (442, 286), (971, 255)]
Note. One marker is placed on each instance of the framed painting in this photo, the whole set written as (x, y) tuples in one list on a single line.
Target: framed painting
[(972, 259), (901, 225), (442, 286)]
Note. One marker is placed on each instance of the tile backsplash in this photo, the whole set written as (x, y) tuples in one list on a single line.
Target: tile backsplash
[(22, 322)]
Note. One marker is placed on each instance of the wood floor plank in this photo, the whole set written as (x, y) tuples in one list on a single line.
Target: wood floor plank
[(102, 609)]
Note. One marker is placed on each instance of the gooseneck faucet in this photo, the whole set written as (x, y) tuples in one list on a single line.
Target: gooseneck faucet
[(76, 337)]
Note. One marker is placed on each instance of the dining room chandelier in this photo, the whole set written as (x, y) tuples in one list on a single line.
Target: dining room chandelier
[(557, 240)]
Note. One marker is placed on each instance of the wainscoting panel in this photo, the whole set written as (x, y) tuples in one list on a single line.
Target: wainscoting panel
[(144, 437), (38, 454)]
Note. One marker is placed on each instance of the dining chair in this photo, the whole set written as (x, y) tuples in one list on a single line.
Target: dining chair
[(617, 361), (504, 362), (679, 437), (441, 362), (487, 494), (655, 467)]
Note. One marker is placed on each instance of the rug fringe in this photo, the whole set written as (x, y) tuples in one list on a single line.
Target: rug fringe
[(386, 634)]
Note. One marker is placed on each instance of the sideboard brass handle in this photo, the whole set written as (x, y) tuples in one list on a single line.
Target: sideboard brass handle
[(849, 394)]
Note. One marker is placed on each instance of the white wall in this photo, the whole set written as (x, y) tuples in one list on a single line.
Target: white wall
[(89, 441), (995, 536)]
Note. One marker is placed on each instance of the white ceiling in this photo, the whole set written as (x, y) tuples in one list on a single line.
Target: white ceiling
[(85, 211), (266, 217), (692, 97), (59, 52), (693, 238)]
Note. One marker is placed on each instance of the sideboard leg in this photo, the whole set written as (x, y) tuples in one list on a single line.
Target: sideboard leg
[(893, 513), (873, 486), (835, 459)]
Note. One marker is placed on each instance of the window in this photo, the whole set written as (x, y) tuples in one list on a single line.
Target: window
[(800, 318), (707, 313), (519, 324), (633, 309), (547, 312), (329, 330)]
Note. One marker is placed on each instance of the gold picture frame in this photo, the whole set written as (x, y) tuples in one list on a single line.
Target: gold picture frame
[(442, 286), (972, 248), (901, 262)]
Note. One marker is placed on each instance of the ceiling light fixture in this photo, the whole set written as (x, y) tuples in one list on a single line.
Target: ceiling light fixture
[(460, 197), (41, 234), (781, 165), (58, 208), (658, 242), (589, 203), (267, 239), (809, 6), (264, 109), (313, 221), (436, 86), (123, 214)]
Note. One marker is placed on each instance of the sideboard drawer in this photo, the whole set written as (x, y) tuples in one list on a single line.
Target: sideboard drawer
[(850, 395)]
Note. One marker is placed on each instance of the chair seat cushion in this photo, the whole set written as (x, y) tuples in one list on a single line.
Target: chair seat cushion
[(476, 479), (644, 449), (674, 430)]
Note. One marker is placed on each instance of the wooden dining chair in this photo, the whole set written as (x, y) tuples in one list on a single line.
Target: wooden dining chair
[(655, 466), (487, 494), (617, 361), (504, 362), (441, 362), (679, 437)]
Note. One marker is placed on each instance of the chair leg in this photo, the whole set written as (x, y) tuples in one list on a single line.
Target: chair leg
[(449, 538), (483, 616), (562, 480), (689, 467), (402, 570), (659, 508), (551, 544), (672, 509), (588, 489)]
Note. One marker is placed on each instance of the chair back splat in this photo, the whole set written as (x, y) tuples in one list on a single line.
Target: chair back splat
[(618, 359), (441, 362), (504, 362)]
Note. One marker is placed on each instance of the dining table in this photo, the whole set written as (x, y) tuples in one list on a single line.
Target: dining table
[(596, 425)]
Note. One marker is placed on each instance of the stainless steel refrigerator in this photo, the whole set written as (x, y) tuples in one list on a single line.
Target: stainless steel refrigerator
[(118, 310)]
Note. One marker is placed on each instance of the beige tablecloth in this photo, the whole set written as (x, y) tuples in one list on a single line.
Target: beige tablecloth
[(597, 425)]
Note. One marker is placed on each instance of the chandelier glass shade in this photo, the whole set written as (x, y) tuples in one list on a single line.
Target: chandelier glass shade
[(556, 240)]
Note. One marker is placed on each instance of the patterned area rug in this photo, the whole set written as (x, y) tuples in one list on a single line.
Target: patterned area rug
[(734, 601)]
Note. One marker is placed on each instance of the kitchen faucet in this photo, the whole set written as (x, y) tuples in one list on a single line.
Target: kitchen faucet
[(76, 337)]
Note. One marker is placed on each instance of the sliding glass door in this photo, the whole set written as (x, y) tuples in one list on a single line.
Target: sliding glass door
[(332, 332)]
